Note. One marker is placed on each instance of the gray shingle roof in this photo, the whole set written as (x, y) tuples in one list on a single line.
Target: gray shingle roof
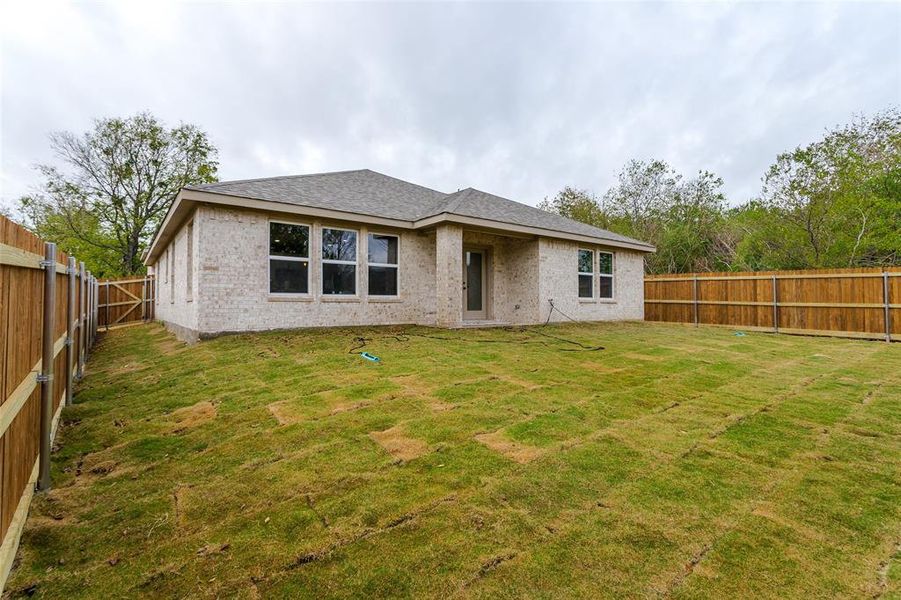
[(369, 193), (482, 205), (362, 192)]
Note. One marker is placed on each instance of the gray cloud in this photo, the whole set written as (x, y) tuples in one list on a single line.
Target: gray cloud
[(515, 99)]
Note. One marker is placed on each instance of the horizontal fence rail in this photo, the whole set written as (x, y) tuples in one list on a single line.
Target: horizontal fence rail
[(47, 327), (855, 303)]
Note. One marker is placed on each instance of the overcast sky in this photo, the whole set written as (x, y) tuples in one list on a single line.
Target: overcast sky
[(514, 99)]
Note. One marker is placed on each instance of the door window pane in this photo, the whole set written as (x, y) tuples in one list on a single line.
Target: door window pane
[(473, 281), (289, 240), (339, 279), (383, 249), (288, 276), (382, 281), (338, 244)]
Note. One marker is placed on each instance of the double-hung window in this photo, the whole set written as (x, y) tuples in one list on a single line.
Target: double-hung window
[(586, 273), (382, 262), (605, 274), (339, 262), (289, 258)]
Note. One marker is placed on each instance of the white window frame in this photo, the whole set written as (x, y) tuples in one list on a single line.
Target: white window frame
[(583, 273), (329, 261), (172, 270), (396, 266), (611, 276), (272, 257), (189, 262)]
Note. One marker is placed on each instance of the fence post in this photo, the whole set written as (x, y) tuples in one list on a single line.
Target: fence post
[(107, 305), (82, 321), (152, 272), (775, 306), (694, 297), (89, 315), (95, 314), (70, 328), (95, 321), (888, 312), (47, 357)]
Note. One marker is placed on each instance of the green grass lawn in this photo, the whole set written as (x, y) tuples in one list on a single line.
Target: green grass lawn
[(677, 462)]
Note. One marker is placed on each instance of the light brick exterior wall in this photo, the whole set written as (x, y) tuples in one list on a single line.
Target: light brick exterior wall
[(512, 276), (449, 277), (559, 281), (231, 279), (234, 278), (174, 305)]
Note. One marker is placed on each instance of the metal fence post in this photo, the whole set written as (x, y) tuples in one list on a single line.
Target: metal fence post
[(89, 315), (47, 356), (70, 328), (95, 321), (775, 306), (694, 297), (82, 321), (888, 312)]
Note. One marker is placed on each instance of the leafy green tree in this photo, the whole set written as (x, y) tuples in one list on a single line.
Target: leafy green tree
[(652, 202), (119, 180), (576, 204), (837, 200)]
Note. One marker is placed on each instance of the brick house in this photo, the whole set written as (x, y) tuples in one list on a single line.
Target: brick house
[(362, 248)]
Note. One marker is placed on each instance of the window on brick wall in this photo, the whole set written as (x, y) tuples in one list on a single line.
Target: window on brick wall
[(586, 273), (339, 262), (189, 268), (605, 274), (382, 264), (172, 273), (289, 258)]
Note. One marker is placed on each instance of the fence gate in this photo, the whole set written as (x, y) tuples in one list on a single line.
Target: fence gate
[(123, 302)]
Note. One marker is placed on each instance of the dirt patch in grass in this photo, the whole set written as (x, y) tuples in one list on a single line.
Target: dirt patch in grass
[(441, 406), (348, 406), (170, 345), (281, 414), (515, 451), (193, 416), (767, 511), (529, 386), (398, 444)]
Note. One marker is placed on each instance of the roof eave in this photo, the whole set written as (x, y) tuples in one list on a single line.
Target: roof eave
[(190, 196), (528, 229)]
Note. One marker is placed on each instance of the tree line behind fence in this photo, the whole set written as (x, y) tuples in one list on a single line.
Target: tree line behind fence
[(48, 323), (859, 303)]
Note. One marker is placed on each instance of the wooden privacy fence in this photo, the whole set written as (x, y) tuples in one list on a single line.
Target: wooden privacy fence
[(859, 303), (123, 302), (48, 316)]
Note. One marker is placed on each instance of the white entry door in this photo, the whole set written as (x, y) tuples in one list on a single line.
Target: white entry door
[(475, 299)]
